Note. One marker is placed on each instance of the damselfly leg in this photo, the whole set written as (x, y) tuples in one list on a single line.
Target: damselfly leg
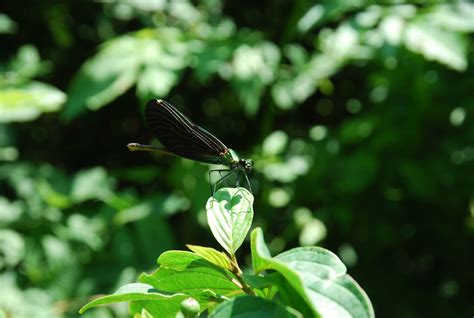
[(222, 178), (231, 178)]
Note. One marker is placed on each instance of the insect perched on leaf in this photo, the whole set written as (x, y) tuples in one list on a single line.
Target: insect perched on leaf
[(181, 137)]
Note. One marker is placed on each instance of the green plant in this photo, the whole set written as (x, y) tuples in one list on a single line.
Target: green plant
[(301, 282)]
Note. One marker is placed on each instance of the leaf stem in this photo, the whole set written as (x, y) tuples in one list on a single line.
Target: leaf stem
[(238, 274)]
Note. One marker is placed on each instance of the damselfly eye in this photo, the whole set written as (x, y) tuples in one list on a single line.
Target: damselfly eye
[(248, 164)]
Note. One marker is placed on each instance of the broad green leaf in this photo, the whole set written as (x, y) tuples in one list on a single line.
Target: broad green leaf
[(108, 74), (57, 253), (156, 81), (320, 281), (448, 48), (254, 67), (25, 102), (12, 248), (20, 302), (10, 211), (332, 292), (138, 292), (214, 256), (290, 284), (135, 213), (51, 196), (341, 297), (189, 273), (251, 306), (154, 59), (7, 25), (315, 261), (230, 214), (167, 308), (89, 184), (105, 76), (27, 62), (275, 143), (325, 11), (84, 229), (454, 18)]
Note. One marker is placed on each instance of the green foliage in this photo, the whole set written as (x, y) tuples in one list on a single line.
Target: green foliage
[(357, 114), (310, 281), (21, 98)]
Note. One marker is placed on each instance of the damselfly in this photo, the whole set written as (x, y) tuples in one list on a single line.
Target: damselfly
[(181, 137)]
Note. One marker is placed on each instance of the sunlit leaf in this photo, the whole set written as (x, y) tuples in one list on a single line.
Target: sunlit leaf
[(218, 258), (275, 143), (28, 101), (151, 58), (443, 46), (253, 69), (27, 62), (316, 278), (333, 293), (138, 292), (7, 25), (155, 81), (191, 274), (230, 214), (20, 302), (290, 285), (10, 211), (12, 248), (90, 184)]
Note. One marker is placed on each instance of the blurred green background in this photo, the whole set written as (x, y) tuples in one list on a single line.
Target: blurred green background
[(358, 116)]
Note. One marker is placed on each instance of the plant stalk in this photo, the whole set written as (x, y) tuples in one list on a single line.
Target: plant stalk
[(238, 274)]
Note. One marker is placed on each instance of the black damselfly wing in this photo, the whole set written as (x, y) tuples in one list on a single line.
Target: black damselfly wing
[(178, 134)]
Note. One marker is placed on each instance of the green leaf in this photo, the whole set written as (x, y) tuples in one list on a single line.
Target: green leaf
[(51, 196), (27, 62), (319, 278), (108, 74), (151, 59), (230, 214), (89, 184), (10, 211), (137, 292), (313, 260), (341, 297), (156, 81), (333, 293), (25, 102), (290, 284), (12, 248), (7, 25), (251, 306), (254, 67), (275, 143), (166, 308), (214, 256), (448, 48), (189, 273)]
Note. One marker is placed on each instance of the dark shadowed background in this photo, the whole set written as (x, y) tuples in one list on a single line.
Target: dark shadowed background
[(359, 117)]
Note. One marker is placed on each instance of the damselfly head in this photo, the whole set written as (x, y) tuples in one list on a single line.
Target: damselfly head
[(247, 164)]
